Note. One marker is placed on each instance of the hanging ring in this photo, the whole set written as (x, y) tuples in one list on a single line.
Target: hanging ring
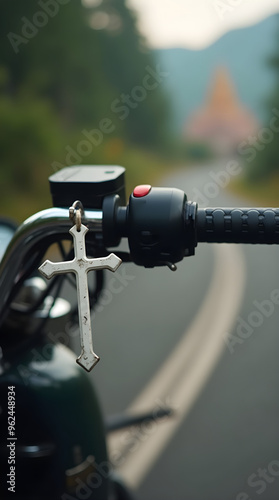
[(78, 219), (76, 212)]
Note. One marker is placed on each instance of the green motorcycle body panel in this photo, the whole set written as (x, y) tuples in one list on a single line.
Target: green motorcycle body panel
[(60, 447)]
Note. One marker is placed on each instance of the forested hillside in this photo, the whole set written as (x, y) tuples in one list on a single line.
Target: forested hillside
[(77, 85)]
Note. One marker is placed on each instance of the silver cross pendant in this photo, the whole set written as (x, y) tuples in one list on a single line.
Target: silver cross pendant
[(81, 265)]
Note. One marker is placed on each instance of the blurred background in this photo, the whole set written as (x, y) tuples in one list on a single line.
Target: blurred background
[(148, 85), (175, 91)]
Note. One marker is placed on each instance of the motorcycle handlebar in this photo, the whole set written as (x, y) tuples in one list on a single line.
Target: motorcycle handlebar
[(29, 244), (162, 228), (238, 225)]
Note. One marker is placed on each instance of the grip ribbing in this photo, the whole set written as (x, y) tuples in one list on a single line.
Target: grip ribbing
[(238, 225)]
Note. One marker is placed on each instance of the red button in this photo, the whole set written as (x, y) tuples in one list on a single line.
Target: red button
[(141, 190)]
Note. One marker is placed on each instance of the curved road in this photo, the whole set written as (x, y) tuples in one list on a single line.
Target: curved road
[(205, 340)]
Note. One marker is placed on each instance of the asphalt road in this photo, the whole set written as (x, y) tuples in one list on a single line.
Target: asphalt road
[(223, 442)]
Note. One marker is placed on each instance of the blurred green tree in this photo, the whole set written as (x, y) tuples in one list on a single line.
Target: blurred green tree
[(266, 162), (139, 100), (83, 59), (59, 60), (65, 65)]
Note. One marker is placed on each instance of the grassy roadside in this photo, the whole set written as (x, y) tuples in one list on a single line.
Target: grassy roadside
[(263, 193), (141, 167)]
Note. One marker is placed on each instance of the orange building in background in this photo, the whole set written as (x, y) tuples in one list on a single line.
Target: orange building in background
[(223, 122)]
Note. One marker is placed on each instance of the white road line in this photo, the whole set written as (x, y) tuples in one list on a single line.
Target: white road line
[(186, 371)]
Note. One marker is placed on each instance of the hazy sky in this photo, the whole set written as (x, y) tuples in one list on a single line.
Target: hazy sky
[(196, 23)]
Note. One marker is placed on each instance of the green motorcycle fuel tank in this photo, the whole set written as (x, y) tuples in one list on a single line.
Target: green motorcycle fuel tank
[(52, 432)]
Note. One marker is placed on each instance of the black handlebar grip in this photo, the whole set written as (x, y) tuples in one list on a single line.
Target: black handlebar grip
[(238, 225)]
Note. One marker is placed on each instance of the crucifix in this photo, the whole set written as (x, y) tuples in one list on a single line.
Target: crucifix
[(81, 265)]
